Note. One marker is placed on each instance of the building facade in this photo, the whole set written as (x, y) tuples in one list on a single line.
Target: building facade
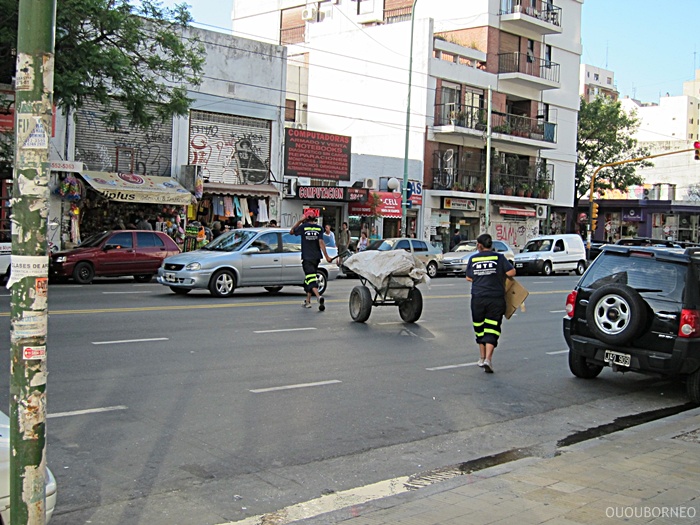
[(597, 82), (349, 69)]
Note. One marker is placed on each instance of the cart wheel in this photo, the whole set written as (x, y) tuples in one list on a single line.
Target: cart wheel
[(412, 307), (360, 304)]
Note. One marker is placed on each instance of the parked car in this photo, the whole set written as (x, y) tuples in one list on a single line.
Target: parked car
[(637, 309), (5, 254), (112, 254), (455, 261), (267, 257), (5, 476), (596, 248), (423, 251), (548, 254)]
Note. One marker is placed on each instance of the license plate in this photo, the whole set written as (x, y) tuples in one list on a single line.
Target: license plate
[(170, 277), (518, 265), (617, 358)]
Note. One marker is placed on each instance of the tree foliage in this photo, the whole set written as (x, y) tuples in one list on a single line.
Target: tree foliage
[(111, 50), (605, 135)]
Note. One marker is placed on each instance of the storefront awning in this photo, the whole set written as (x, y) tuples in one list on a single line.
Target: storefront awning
[(514, 209), (243, 190), (388, 205), (130, 187)]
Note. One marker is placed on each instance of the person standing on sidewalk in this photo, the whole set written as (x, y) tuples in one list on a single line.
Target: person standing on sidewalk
[(343, 242), (487, 271), (312, 246)]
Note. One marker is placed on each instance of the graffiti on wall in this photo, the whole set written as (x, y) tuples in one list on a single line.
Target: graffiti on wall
[(515, 233), (121, 148), (231, 150)]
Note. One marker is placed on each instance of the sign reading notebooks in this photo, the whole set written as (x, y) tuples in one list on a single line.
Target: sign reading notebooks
[(316, 155), (130, 187), (385, 204)]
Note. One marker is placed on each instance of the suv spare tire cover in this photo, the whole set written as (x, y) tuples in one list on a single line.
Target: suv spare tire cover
[(616, 313)]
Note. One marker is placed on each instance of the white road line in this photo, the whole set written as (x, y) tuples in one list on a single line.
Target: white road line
[(557, 311), (130, 341), (558, 352), (447, 367), (283, 330), (291, 387), (87, 411), (115, 293), (542, 282)]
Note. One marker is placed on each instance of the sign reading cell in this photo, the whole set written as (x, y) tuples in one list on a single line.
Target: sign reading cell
[(316, 155)]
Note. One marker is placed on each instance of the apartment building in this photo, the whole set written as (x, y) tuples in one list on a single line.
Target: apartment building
[(597, 82), (348, 75)]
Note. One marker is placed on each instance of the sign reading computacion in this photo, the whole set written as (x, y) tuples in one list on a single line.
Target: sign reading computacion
[(316, 155)]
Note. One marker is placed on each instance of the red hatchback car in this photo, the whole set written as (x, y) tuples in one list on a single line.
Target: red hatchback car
[(112, 254)]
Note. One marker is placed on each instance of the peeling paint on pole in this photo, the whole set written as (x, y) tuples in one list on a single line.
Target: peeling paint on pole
[(30, 261)]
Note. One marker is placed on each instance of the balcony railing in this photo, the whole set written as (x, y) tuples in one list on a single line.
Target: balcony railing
[(527, 64), (293, 35), (473, 117), (548, 13), (528, 186), (401, 14)]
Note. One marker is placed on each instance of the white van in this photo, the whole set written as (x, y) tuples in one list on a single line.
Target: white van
[(5, 254), (547, 254)]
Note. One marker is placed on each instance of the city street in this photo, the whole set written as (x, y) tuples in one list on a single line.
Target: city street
[(170, 409)]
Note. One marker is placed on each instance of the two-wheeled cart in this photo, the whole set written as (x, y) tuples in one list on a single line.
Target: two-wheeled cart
[(387, 279)]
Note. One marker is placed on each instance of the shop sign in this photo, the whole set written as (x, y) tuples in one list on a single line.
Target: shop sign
[(323, 193), (356, 194), (388, 204), (632, 215), (452, 203), (316, 155), (67, 165), (415, 189)]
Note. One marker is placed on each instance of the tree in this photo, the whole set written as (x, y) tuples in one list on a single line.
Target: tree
[(112, 51), (605, 135)]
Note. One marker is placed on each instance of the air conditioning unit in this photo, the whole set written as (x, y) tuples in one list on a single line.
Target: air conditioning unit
[(370, 184), (309, 13), (299, 125), (541, 211), (290, 187)]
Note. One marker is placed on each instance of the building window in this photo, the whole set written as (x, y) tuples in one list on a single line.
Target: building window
[(596, 76), (530, 50), (547, 55), (290, 110), (609, 81)]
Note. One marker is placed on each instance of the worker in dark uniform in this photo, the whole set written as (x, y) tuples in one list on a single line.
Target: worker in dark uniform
[(312, 246), (487, 271)]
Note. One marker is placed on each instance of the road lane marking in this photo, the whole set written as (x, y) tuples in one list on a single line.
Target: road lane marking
[(86, 411), (447, 367), (283, 330), (557, 311), (558, 352), (130, 341), (292, 387)]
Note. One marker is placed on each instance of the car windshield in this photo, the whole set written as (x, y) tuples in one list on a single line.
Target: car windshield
[(662, 278), (465, 247), (382, 246), (231, 241), (94, 240), (539, 245)]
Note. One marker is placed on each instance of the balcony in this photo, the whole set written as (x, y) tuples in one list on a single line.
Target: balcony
[(392, 16), (516, 18), (293, 35), (471, 120), (528, 71), (528, 185)]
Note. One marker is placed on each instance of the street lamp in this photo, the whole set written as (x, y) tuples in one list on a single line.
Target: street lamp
[(404, 191)]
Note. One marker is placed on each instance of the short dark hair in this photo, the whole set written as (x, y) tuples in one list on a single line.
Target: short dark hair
[(485, 240)]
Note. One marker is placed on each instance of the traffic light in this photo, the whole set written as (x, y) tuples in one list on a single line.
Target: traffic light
[(696, 145), (594, 216)]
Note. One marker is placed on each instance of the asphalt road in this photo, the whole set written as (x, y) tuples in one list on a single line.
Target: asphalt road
[(189, 409)]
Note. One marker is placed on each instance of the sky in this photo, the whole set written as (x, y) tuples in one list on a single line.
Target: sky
[(652, 46)]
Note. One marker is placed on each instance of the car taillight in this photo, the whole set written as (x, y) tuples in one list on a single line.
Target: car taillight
[(571, 303), (690, 324)]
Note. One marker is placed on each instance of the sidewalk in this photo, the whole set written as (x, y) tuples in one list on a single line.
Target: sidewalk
[(644, 474)]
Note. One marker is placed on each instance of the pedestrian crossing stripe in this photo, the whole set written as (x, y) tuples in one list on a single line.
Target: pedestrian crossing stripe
[(38, 138)]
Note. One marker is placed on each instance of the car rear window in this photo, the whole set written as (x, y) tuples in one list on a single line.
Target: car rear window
[(664, 279)]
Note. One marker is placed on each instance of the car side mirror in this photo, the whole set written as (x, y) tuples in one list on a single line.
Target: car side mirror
[(252, 249)]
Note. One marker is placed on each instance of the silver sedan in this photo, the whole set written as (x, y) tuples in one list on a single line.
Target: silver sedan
[(267, 257)]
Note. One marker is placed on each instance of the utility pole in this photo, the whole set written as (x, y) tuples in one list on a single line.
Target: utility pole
[(30, 263)]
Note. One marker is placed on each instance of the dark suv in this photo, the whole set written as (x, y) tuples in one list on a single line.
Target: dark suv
[(637, 309)]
